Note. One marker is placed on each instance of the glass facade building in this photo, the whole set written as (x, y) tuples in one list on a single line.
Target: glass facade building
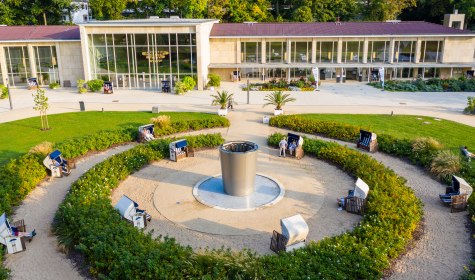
[(142, 60)]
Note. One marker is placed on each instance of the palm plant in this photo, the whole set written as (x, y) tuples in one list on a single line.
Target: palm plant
[(222, 98), (278, 99)]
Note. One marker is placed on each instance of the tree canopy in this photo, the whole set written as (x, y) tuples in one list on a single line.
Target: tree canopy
[(23, 12)]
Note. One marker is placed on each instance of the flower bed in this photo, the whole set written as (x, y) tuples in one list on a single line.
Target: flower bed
[(86, 221), (282, 85)]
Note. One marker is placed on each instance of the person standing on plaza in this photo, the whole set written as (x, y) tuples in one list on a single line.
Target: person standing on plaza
[(282, 147)]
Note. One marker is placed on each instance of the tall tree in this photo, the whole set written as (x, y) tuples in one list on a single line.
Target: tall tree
[(381, 10), (21, 12), (467, 7), (331, 10), (107, 9), (146, 8)]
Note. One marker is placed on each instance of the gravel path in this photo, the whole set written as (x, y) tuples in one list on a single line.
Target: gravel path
[(42, 258), (441, 253)]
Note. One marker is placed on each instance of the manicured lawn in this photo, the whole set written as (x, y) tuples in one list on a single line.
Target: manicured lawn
[(18, 137), (451, 134)]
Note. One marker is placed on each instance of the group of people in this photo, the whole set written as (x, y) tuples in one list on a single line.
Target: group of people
[(283, 145)]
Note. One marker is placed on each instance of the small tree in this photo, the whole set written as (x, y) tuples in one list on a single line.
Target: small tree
[(278, 99), (222, 99), (41, 104)]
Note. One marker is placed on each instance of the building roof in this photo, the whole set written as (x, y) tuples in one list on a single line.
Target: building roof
[(333, 29), (150, 22), (39, 33)]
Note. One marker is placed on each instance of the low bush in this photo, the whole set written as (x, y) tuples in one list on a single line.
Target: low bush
[(4, 273), (214, 80), (44, 148), (330, 129), (54, 85), (189, 82), (180, 87), (87, 222), (470, 109), (162, 122), (82, 86), (3, 92), (429, 85), (182, 126), (95, 85), (444, 164), (424, 149)]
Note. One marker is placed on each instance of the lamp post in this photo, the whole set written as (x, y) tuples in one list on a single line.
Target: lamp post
[(9, 94)]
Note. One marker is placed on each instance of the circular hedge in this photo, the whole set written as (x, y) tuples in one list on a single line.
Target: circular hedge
[(87, 222)]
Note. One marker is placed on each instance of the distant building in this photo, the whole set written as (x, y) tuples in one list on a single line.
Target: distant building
[(79, 12), (141, 53)]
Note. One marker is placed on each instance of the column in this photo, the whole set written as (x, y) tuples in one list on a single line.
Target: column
[(238, 51), (288, 57), (391, 51), (60, 63), (365, 50), (418, 50), (314, 50), (3, 64), (32, 58), (339, 50), (86, 60), (263, 51)]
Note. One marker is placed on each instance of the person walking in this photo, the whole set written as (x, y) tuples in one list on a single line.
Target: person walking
[(282, 147)]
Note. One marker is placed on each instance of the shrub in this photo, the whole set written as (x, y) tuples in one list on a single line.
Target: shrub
[(424, 149), (214, 80), (162, 122), (189, 82), (430, 85), (444, 164), (180, 87), (44, 148), (81, 84), (3, 92), (95, 85), (54, 85), (470, 109)]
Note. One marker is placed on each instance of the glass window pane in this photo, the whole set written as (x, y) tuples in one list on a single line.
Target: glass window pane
[(378, 51), (162, 39), (121, 60), (404, 51), (431, 51), (184, 62), (119, 40), (172, 39), (18, 64), (250, 52), (327, 51), (276, 51), (141, 39), (163, 60), (193, 39), (99, 39), (300, 52), (142, 58), (351, 52), (184, 39)]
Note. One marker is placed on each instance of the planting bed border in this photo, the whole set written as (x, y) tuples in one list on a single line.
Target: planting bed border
[(87, 222)]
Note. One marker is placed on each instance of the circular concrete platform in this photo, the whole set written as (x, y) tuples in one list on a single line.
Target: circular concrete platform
[(210, 192)]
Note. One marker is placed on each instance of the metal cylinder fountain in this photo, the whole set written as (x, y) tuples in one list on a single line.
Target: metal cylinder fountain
[(238, 167)]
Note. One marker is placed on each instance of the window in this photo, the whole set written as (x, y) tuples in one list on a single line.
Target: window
[(327, 52), (404, 51), (250, 52), (46, 64), (301, 52), (276, 52), (18, 65), (142, 60), (378, 51), (431, 51), (352, 52)]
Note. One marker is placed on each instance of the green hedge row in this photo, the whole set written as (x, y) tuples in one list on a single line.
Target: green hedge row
[(429, 85), (393, 213), (183, 126), (387, 143), (86, 221)]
